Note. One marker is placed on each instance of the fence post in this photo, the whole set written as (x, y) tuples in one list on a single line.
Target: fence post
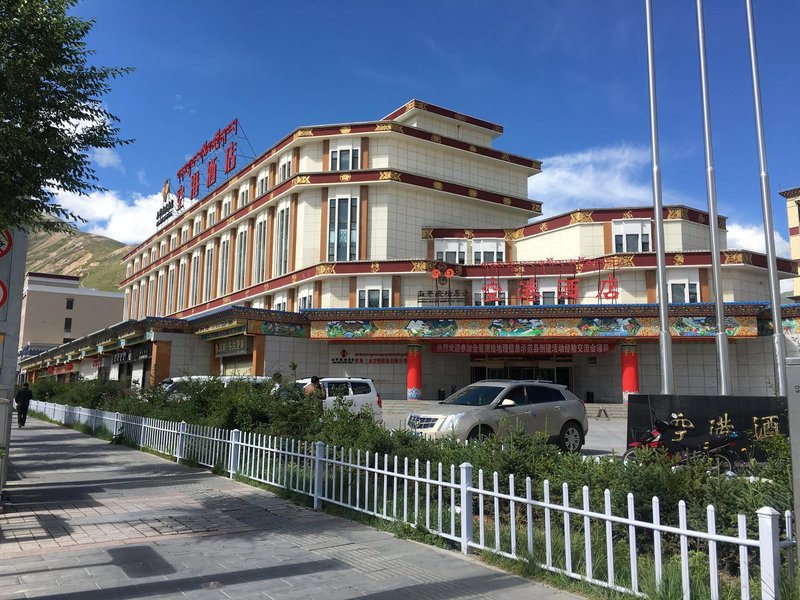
[(466, 506), (181, 438), (769, 552), (319, 450), (116, 426), (67, 414), (234, 453)]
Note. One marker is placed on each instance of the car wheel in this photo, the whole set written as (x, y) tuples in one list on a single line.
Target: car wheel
[(571, 437), (479, 433)]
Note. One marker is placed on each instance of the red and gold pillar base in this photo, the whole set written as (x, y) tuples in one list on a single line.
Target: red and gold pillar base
[(414, 372), (630, 370)]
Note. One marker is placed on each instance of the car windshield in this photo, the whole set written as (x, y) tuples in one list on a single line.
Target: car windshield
[(478, 395)]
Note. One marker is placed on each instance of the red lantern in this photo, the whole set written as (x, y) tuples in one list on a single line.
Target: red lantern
[(449, 273), (436, 273)]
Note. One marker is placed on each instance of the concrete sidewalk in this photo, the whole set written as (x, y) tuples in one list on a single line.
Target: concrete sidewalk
[(85, 519)]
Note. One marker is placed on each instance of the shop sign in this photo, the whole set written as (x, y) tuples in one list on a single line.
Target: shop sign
[(60, 369), (97, 363), (373, 358), (517, 348), (235, 346), (131, 354)]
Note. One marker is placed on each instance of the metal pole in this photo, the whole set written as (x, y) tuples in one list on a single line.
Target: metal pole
[(766, 208), (664, 339), (713, 221)]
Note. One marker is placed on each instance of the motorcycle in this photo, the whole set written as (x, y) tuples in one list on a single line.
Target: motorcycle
[(720, 449)]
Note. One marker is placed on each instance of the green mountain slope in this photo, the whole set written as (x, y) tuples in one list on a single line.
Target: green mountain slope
[(94, 258)]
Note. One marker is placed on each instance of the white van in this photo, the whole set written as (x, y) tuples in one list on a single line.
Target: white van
[(359, 390)]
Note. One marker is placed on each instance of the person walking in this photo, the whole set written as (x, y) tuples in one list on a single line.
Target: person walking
[(23, 400)]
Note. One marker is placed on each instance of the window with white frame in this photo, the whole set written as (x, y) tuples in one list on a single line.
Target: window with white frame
[(142, 301), (194, 280), (170, 289), (129, 270), (281, 265), (151, 295), (136, 265), (345, 155), (134, 301), (184, 234), (305, 297), (451, 250), (227, 202), (343, 227), (374, 292), (244, 196), (208, 275), (285, 167), (490, 292), (262, 184), (260, 250), (153, 255), (211, 217), (488, 250), (144, 259), (162, 248), (683, 292), (173, 241), (279, 302), (241, 260), (160, 295), (182, 284), (224, 258), (198, 225), (631, 235)]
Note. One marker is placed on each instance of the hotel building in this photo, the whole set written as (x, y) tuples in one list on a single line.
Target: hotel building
[(406, 250)]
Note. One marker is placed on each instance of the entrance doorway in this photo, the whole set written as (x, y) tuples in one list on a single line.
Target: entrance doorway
[(558, 371)]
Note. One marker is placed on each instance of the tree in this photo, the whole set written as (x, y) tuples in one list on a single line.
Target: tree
[(51, 115)]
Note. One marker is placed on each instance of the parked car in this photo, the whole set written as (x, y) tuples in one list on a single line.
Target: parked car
[(360, 391), (494, 406)]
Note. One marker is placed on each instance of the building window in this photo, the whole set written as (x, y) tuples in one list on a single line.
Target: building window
[(224, 257), (452, 251), (153, 255), (198, 223), (244, 196), (344, 156), (282, 239), (173, 242), (374, 298), (488, 251), (226, 206), (129, 270), (136, 265), (208, 276), (170, 290), (70, 303), (181, 286), (262, 185), (285, 167), (142, 301), (184, 234), (631, 235), (683, 292), (68, 325), (211, 218), (343, 229), (160, 294), (305, 298), (162, 249), (241, 259), (260, 251), (194, 285)]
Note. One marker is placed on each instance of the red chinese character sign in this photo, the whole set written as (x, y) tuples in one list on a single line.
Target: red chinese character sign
[(528, 291), (206, 160), (568, 289), (608, 289)]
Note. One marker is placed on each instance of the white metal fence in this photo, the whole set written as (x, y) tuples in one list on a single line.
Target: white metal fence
[(478, 511)]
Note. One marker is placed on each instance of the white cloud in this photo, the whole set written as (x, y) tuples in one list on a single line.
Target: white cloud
[(594, 178), (751, 237), (107, 158), (129, 220)]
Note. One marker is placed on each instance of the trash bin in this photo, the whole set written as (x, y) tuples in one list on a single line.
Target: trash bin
[(442, 394), (589, 397)]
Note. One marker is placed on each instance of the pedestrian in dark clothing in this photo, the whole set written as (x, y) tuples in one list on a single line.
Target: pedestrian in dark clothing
[(23, 400)]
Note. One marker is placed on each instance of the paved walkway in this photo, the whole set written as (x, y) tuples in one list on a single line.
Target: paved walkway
[(86, 520)]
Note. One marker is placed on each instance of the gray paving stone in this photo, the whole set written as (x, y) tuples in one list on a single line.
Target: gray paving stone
[(130, 525)]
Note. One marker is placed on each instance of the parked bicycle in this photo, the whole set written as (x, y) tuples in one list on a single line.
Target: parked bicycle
[(720, 450)]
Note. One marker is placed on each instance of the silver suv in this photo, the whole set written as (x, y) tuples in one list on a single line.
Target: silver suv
[(496, 406), (359, 390)]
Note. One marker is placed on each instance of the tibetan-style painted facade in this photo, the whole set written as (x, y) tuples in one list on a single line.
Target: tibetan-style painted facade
[(407, 250)]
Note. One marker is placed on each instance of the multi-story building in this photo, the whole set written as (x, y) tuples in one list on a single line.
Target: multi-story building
[(404, 249), (56, 310)]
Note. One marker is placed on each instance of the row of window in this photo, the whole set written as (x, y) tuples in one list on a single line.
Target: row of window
[(484, 250)]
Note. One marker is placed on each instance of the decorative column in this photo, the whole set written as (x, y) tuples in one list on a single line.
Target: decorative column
[(630, 369), (414, 371)]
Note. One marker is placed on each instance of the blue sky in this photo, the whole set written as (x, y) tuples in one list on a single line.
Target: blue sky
[(567, 79)]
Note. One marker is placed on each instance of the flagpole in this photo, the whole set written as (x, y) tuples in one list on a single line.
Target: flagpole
[(766, 208), (713, 220), (664, 339)]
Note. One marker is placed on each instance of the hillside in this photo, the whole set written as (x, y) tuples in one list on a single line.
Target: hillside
[(94, 258)]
